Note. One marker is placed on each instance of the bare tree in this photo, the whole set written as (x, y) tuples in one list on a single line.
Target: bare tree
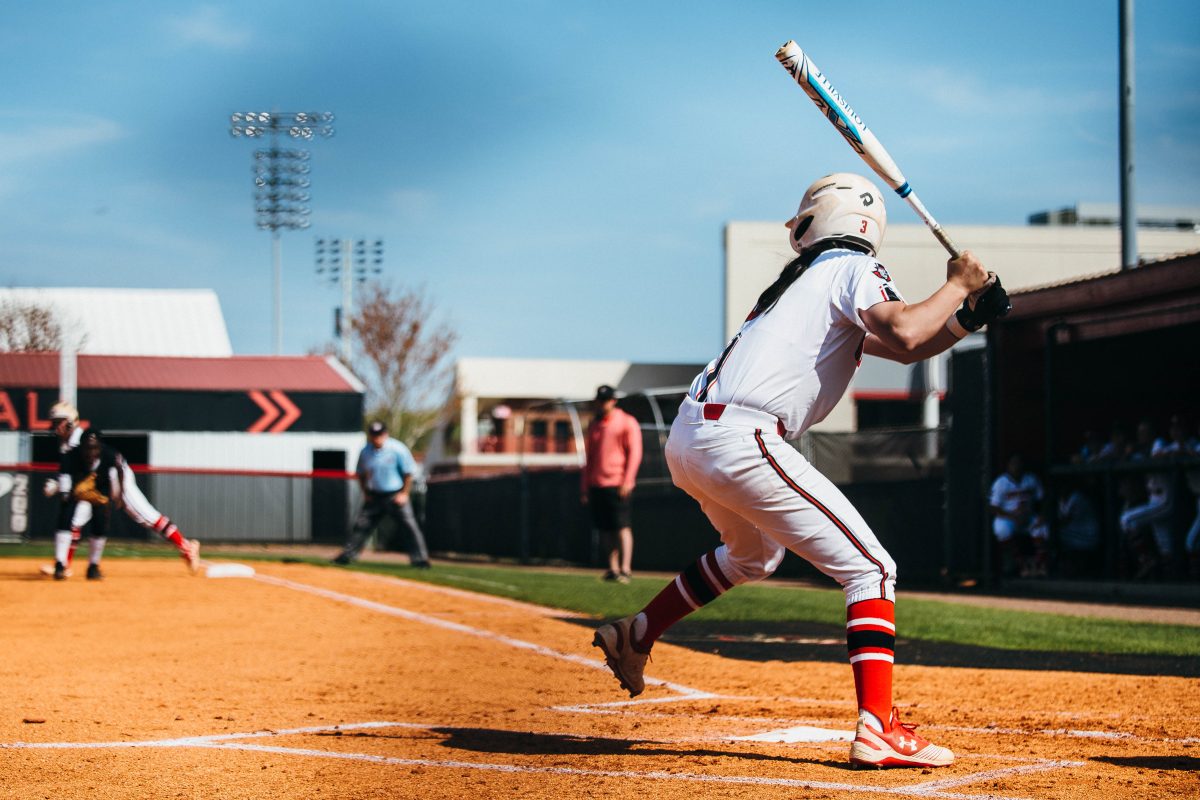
[(28, 327), (402, 357)]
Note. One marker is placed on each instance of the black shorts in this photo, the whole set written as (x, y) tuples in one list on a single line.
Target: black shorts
[(610, 512)]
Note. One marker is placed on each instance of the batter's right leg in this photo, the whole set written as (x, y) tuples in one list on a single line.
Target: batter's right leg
[(745, 556)]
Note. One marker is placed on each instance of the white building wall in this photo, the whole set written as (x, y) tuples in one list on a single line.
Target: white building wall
[(1023, 256), (14, 447), (278, 452)]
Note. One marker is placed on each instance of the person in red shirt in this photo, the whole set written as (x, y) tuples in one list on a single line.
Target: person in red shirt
[(613, 454)]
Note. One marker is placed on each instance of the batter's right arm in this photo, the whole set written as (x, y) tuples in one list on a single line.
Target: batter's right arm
[(910, 333)]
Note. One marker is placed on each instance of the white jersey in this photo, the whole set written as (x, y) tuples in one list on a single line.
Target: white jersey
[(1015, 497), (72, 441), (796, 360)]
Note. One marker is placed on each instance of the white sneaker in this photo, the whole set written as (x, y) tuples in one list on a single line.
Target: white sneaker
[(623, 657), (901, 746)]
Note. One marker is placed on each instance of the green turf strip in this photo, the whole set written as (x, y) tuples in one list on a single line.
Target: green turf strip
[(930, 620)]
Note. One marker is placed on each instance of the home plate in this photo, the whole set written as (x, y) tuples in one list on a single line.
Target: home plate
[(229, 571), (801, 733)]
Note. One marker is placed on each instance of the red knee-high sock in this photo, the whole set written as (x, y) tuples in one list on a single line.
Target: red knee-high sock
[(75, 536), (871, 639), (699, 584), (171, 533)]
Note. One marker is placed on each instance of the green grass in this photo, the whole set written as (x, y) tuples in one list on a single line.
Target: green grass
[(930, 620)]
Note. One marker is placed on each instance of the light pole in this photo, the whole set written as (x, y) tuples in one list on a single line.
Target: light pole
[(281, 181), (345, 262)]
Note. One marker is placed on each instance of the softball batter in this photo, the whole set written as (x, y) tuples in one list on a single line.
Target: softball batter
[(783, 372)]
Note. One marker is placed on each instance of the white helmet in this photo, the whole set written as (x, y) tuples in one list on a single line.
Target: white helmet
[(64, 410), (840, 206)]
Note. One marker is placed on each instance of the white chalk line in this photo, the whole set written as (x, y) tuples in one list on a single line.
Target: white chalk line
[(230, 741), (193, 741), (604, 708), (935, 787), (1066, 732), (920, 790), (683, 693), (413, 616)]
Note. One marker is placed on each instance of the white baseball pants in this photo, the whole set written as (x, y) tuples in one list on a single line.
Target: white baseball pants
[(136, 505), (763, 497)]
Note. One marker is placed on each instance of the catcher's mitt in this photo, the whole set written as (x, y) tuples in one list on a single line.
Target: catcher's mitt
[(87, 492)]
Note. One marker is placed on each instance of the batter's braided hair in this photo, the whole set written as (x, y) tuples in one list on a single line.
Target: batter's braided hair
[(797, 267)]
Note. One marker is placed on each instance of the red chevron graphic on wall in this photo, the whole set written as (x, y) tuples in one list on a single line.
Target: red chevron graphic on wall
[(277, 416)]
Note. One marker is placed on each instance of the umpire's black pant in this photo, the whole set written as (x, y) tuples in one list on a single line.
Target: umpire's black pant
[(377, 505)]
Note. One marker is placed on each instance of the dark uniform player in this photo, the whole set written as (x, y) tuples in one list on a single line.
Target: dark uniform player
[(65, 419), (90, 481)]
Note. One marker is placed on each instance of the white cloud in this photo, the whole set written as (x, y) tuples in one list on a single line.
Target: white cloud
[(968, 94), (207, 25), (22, 138)]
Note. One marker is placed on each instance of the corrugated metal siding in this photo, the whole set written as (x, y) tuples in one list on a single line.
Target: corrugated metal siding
[(236, 507)]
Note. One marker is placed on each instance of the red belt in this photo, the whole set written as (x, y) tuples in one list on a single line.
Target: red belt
[(715, 411)]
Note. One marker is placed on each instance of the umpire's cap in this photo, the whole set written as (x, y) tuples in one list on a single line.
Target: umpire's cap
[(376, 428)]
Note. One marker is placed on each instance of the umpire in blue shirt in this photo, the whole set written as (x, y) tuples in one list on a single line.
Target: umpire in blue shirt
[(385, 472)]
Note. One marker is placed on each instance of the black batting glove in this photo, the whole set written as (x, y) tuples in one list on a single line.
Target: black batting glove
[(984, 306)]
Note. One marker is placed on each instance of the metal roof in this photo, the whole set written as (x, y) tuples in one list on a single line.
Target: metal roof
[(159, 373), (1089, 278), (145, 322)]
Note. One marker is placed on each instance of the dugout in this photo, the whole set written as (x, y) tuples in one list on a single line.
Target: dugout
[(1078, 357), (236, 448)]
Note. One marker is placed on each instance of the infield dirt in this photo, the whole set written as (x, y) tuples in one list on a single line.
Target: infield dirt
[(308, 681)]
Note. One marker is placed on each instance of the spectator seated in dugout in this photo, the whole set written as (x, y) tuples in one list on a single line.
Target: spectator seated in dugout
[(1019, 530)]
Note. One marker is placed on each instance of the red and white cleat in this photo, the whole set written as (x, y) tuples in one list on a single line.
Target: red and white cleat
[(191, 554), (900, 746)]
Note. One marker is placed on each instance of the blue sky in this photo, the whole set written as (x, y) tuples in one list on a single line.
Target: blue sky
[(555, 174)]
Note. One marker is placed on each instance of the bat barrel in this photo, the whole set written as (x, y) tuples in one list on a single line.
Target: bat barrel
[(789, 50)]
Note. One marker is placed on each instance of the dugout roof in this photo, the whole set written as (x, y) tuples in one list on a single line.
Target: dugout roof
[(1094, 354)]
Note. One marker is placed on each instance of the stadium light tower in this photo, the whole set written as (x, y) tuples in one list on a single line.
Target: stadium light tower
[(345, 262), (281, 181)]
